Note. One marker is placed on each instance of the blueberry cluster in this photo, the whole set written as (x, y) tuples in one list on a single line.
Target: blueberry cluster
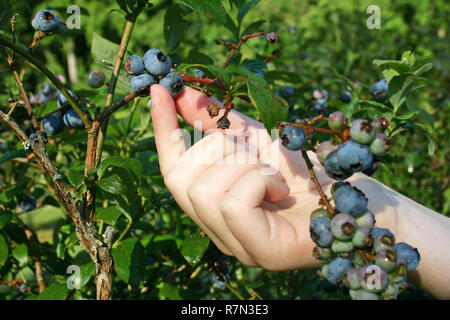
[(158, 67)]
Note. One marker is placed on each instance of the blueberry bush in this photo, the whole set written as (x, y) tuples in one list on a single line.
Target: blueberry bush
[(84, 212)]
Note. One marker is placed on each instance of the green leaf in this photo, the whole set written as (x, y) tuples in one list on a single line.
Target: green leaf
[(54, 291), (112, 184), (3, 250), (431, 144), (5, 218), (87, 271), (174, 27), (134, 165), (194, 247), (253, 27), (75, 178), (169, 291), (398, 90), (246, 7), (211, 8), (219, 73), (110, 214), (423, 69), (270, 107), (20, 253), (129, 257)]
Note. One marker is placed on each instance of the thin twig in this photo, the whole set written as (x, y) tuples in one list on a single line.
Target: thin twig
[(235, 48)]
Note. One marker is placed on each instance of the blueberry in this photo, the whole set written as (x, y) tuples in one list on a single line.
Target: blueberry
[(293, 138), (320, 94), (392, 291), (337, 120), (320, 213), (362, 131), (33, 137), (157, 63), (140, 82), (46, 21), (321, 105), (173, 83), (43, 99), (409, 254), (96, 79), (332, 168), (343, 226), (337, 269), (288, 91), (134, 65), (336, 185), (401, 271), (379, 90), (71, 119), (366, 220), (380, 124), (386, 259), (346, 97), (324, 255), (373, 278), (383, 242), (61, 99), (27, 203), (47, 89), (354, 157), (339, 246), (52, 124), (223, 122), (376, 232), (320, 230), (324, 149), (372, 168), (351, 279), (350, 200), (199, 73), (365, 295), (362, 238), (358, 259), (380, 145)]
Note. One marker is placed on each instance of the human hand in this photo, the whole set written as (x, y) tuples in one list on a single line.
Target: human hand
[(221, 183)]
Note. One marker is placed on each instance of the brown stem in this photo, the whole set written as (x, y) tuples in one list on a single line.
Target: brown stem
[(209, 82), (316, 182), (110, 110), (235, 48), (36, 256), (272, 55), (36, 39)]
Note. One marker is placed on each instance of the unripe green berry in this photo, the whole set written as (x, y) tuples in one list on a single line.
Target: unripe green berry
[(320, 213), (362, 237), (324, 255), (337, 120), (324, 149), (366, 220), (383, 242), (380, 145), (343, 226), (351, 279), (342, 246), (386, 259), (373, 278)]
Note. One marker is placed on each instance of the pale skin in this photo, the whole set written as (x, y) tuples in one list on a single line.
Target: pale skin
[(263, 219)]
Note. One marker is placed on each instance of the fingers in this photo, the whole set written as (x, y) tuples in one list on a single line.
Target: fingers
[(192, 104), (258, 229), (168, 136)]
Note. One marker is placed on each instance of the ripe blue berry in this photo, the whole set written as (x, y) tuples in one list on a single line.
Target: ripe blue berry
[(346, 97), (337, 120), (319, 213), (27, 203), (354, 157), (336, 185), (173, 83), (386, 259), (350, 200), (362, 131), (61, 99), (343, 226), (96, 79), (134, 65), (321, 105), (293, 137), (380, 145), (373, 278), (140, 82), (199, 73), (366, 220), (324, 149), (46, 21), (337, 269), (409, 254), (379, 90), (157, 63), (320, 230), (53, 124), (332, 168), (288, 91), (71, 119), (362, 238)]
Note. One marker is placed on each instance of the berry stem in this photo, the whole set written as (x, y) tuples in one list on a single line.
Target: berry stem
[(316, 182), (236, 47), (310, 128)]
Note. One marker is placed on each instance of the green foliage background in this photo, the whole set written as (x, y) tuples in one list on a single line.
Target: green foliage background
[(162, 255)]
